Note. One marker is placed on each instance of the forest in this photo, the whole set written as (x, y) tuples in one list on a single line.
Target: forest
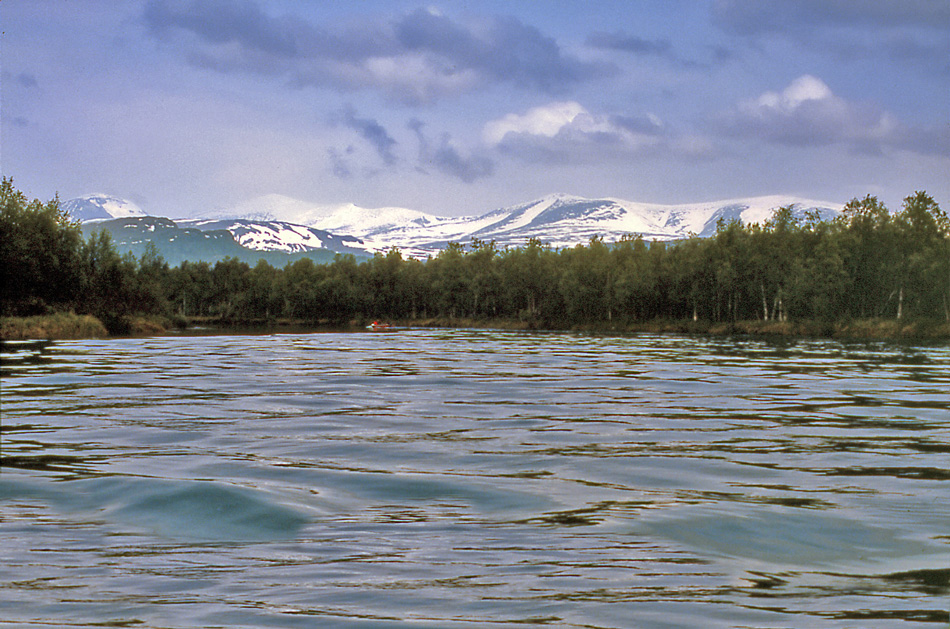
[(868, 263)]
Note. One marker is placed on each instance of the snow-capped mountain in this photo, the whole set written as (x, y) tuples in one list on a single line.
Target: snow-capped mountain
[(275, 224), (178, 241), (209, 239), (341, 218), (101, 207), (270, 235), (565, 220), (559, 220)]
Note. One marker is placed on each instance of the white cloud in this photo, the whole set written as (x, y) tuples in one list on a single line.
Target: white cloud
[(544, 121), (803, 89), (416, 58), (412, 77), (808, 113), (568, 132)]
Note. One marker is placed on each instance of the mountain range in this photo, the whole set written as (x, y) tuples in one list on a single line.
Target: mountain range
[(280, 229)]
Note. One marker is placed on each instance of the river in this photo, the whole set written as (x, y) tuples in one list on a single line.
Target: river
[(474, 478)]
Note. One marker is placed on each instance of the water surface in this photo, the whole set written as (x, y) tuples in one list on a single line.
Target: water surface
[(437, 478)]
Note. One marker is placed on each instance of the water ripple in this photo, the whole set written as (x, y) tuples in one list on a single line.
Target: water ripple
[(470, 478)]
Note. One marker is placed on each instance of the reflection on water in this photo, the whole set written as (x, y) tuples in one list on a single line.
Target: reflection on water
[(470, 478)]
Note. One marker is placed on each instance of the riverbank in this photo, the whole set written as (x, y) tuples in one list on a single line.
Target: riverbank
[(68, 325), (880, 329), (62, 325), (73, 326)]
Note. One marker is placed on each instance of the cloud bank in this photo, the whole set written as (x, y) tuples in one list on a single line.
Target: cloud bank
[(754, 16), (450, 160), (807, 113), (371, 131), (913, 32), (417, 58), (566, 131)]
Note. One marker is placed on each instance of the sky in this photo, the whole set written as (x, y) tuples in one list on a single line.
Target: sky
[(460, 107)]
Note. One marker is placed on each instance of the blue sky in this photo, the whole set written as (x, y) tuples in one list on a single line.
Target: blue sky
[(461, 107)]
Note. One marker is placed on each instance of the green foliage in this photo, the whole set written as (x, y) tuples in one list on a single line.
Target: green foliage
[(40, 252), (47, 266), (922, 257), (868, 263), (62, 325)]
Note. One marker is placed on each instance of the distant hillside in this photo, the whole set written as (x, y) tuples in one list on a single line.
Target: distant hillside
[(281, 229), (177, 244), (559, 220), (100, 206)]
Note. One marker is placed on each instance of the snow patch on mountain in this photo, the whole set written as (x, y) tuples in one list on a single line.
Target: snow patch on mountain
[(270, 207), (101, 207), (270, 235), (341, 217), (369, 222), (701, 218), (280, 223), (560, 220)]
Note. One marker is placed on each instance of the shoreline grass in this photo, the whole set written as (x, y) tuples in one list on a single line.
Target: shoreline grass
[(70, 326), (869, 329), (73, 326), (61, 325)]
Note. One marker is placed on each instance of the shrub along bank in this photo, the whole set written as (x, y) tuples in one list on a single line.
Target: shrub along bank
[(869, 272)]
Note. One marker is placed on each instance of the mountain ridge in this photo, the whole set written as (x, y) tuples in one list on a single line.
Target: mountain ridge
[(559, 219), (276, 223), (101, 207)]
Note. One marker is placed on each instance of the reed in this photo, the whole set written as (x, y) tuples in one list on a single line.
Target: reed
[(61, 325)]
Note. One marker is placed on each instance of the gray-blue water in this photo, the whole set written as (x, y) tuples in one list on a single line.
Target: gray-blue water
[(435, 478)]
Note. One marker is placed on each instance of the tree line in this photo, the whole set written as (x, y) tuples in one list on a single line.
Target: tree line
[(866, 263)]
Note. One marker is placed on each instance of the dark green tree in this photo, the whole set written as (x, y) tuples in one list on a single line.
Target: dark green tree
[(869, 256), (110, 285), (40, 254), (229, 283), (923, 277)]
